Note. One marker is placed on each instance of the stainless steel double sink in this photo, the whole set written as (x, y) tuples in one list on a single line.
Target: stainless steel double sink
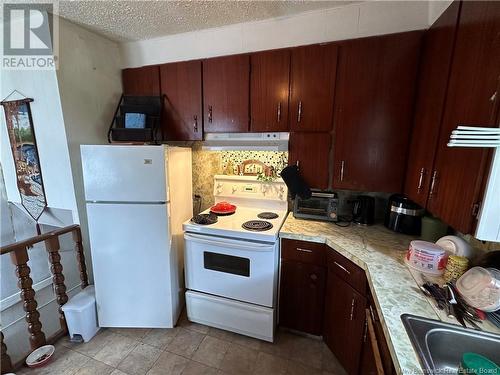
[(440, 346)]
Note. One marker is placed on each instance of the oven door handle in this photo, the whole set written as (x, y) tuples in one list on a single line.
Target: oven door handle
[(226, 242)]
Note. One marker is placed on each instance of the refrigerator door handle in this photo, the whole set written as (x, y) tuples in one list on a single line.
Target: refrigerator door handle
[(127, 202)]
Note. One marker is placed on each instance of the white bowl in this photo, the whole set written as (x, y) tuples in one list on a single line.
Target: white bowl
[(455, 245), (39, 357)]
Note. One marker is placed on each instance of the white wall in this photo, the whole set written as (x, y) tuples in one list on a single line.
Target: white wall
[(347, 22), (89, 79)]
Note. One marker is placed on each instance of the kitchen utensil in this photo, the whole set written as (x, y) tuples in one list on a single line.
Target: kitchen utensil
[(480, 288), (426, 257), (456, 246), (41, 356), (363, 211), (403, 215), (223, 208)]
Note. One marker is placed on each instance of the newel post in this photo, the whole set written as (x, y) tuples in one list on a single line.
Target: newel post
[(80, 256), (6, 364), (20, 259), (52, 245)]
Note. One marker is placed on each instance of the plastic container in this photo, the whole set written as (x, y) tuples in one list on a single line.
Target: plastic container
[(426, 257), (455, 268), (81, 314), (456, 246), (480, 288), (473, 363)]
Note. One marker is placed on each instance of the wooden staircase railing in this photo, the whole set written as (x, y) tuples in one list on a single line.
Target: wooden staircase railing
[(19, 255)]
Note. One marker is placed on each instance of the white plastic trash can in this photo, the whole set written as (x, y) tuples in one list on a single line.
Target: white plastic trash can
[(81, 314)]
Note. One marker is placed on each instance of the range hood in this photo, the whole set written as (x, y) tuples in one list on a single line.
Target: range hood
[(246, 141)]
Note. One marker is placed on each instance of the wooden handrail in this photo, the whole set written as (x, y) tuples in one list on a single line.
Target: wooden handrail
[(29, 242), (19, 255)]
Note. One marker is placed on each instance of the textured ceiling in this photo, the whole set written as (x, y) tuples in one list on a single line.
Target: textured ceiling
[(135, 20)]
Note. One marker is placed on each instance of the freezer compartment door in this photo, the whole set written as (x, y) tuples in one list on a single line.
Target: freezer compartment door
[(132, 259), (114, 173)]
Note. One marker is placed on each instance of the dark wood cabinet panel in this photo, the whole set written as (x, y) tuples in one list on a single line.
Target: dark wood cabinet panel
[(344, 322), (269, 91), (313, 73), (141, 81), (304, 252), (312, 151), (182, 106), (435, 66), (226, 86), (302, 293), (471, 100), (347, 271), (373, 111)]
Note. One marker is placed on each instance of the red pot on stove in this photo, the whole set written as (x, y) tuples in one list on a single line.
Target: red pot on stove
[(223, 208)]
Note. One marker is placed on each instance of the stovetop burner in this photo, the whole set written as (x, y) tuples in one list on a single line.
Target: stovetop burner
[(268, 215), (205, 219), (257, 225)]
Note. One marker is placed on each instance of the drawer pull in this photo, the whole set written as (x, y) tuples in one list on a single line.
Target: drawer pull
[(304, 250), (314, 277), (342, 268)]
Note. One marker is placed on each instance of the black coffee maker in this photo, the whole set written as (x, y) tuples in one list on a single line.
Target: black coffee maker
[(363, 210)]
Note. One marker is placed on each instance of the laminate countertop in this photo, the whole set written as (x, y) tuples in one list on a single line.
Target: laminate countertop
[(380, 252)]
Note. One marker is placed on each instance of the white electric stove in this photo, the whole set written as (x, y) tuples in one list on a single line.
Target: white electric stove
[(232, 262)]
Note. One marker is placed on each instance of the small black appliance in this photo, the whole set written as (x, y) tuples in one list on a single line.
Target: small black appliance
[(403, 215), (363, 210)]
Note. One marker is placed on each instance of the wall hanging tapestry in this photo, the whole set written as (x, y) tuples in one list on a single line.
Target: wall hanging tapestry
[(23, 145)]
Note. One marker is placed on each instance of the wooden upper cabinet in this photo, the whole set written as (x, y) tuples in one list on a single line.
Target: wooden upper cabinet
[(226, 86), (144, 81), (182, 105), (269, 91), (313, 72), (312, 152), (471, 100), (374, 111), (435, 66)]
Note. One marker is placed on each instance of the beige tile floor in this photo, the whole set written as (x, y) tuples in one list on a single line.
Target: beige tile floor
[(189, 349)]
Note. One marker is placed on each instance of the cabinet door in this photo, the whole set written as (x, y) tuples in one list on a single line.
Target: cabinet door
[(181, 87), (226, 86), (435, 65), (269, 91), (312, 151), (302, 293), (374, 109), (472, 99), (313, 73), (344, 322), (141, 81)]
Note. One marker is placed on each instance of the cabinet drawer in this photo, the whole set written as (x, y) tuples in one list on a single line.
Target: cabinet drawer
[(347, 271), (304, 252)]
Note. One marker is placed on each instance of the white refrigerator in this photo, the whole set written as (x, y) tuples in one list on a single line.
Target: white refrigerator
[(137, 198)]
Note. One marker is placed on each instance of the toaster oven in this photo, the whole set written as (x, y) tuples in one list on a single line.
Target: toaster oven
[(322, 205)]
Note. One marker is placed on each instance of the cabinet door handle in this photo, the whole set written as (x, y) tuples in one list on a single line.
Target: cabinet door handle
[(297, 163), (304, 250), (314, 277), (299, 116), (421, 180), (433, 184), (342, 268), (353, 304), (210, 113), (195, 124), (342, 166), (278, 114)]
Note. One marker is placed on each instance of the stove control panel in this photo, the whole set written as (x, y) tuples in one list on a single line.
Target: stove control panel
[(248, 187)]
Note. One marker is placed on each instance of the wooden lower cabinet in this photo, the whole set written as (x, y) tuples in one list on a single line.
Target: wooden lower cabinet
[(344, 322), (302, 296)]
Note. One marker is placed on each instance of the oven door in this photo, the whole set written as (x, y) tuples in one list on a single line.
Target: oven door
[(241, 270)]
